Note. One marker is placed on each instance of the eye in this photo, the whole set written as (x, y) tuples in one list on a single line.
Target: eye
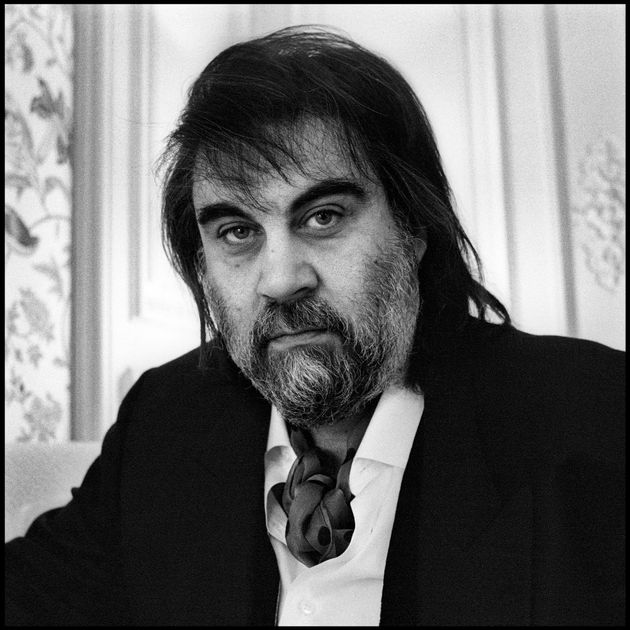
[(323, 218), (237, 235)]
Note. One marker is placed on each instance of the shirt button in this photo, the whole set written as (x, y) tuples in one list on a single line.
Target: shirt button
[(307, 608)]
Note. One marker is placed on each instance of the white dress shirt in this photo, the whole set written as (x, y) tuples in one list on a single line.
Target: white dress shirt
[(345, 590)]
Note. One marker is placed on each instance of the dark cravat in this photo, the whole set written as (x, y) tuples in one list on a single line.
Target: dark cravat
[(320, 521)]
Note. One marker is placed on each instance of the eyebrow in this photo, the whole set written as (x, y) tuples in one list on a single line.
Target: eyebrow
[(221, 209)]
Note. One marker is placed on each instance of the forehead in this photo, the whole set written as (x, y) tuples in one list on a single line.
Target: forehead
[(314, 153)]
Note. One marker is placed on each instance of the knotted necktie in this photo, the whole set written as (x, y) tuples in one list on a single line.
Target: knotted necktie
[(320, 521)]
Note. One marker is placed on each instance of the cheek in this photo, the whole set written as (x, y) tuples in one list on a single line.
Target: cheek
[(346, 286), (348, 272), (234, 301)]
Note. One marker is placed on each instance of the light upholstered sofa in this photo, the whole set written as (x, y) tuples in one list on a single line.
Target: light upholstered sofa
[(38, 477)]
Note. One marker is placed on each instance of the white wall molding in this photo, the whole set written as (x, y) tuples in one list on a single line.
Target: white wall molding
[(90, 347), (486, 160), (146, 296), (533, 216), (111, 201), (131, 311), (561, 165), (599, 211)]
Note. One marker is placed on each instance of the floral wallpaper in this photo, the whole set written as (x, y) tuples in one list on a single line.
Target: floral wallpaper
[(37, 216)]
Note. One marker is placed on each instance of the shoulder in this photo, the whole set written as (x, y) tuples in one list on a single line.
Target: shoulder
[(186, 368), (504, 352), (180, 394), (553, 394)]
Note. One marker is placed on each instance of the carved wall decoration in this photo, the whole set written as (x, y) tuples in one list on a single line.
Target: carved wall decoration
[(37, 215), (599, 211)]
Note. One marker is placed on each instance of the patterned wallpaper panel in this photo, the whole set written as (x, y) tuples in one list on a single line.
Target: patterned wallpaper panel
[(37, 215)]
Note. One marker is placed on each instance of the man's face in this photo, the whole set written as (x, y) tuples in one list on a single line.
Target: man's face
[(312, 287)]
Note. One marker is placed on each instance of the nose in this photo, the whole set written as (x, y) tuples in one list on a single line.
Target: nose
[(286, 274)]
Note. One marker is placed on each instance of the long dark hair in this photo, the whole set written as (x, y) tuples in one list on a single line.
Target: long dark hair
[(241, 120)]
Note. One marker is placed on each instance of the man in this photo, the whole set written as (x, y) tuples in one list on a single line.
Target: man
[(351, 446)]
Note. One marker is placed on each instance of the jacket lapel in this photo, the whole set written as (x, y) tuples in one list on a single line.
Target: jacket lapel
[(210, 562), (453, 543), (246, 588)]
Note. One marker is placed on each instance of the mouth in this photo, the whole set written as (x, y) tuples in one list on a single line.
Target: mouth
[(295, 333), (290, 339)]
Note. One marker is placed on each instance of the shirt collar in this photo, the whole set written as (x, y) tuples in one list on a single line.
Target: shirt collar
[(389, 435), (278, 432)]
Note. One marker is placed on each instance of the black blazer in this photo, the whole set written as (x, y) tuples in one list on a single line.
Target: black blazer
[(511, 510)]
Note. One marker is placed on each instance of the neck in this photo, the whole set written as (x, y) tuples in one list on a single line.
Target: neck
[(333, 438)]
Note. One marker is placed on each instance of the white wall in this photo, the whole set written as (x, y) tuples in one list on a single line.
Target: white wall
[(514, 104), (562, 88), (590, 42)]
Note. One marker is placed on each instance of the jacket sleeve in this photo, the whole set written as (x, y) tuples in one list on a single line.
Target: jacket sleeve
[(66, 569)]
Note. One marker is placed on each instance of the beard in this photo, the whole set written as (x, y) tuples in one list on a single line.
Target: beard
[(315, 384)]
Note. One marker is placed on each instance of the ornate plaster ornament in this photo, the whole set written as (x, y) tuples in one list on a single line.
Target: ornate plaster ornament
[(599, 210)]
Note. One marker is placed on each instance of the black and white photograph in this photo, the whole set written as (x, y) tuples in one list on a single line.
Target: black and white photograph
[(315, 314)]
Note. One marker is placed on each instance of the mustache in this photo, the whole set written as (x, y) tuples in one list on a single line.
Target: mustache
[(307, 313)]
